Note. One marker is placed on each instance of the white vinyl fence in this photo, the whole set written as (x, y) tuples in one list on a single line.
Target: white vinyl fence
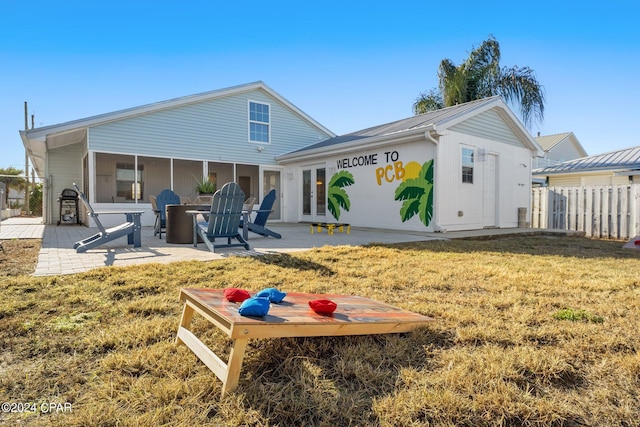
[(600, 211)]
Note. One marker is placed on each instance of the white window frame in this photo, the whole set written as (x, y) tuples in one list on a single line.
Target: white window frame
[(249, 122), (464, 164)]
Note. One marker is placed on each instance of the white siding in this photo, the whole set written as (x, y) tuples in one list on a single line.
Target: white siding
[(214, 130), (372, 195), (489, 125), (460, 206), (593, 178), (564, 151), (65, 166)]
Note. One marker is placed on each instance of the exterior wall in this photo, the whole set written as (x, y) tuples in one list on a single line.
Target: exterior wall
[(594, 178), (488, 125), (465, 206), (215, 130), (376, 174), (64, 167), (564, 151)]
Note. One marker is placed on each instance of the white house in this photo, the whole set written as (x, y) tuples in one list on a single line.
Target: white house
[(463, 167), (617, 167), (558, 148), (459, 168)]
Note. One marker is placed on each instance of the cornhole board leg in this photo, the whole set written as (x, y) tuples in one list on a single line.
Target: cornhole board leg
[(228, 373)]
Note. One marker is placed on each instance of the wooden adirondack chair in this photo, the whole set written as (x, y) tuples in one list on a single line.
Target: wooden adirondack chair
[(258, 225), (131, 228), (224, 219)]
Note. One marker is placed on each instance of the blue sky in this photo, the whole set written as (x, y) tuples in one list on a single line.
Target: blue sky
[(347, 64)]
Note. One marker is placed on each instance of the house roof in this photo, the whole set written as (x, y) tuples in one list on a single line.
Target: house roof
[(431, 121), (548, 142), (626, 159), (36, 140)]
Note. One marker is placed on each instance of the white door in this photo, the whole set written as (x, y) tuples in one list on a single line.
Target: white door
[(314, 194), (490, 193), (271, 181)]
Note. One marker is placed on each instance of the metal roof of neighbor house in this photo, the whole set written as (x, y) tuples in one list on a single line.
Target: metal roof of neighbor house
[(421, 121), (626, 159)]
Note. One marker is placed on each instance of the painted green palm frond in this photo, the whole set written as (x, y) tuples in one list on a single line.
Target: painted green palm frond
[(426, 171), (426, 207), (338, 198), (410, 189), (409, 208), (417, 195), (341, 179)]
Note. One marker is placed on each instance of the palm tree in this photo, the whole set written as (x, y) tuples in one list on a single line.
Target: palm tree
[(480, 76), (11, 177)]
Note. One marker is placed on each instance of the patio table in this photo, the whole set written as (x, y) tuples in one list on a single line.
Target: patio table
[(355, 315)]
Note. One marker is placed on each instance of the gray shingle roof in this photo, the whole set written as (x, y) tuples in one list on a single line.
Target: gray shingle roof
[(414, 122), (627, 159), (547, 142)]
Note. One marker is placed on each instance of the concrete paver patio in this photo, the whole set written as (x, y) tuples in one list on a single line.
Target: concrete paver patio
[(57, 255)]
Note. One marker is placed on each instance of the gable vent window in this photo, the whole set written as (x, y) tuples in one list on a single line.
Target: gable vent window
[(259, 122), (467, 165)]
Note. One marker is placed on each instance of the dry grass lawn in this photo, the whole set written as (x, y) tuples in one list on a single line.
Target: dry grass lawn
[(532, 331)]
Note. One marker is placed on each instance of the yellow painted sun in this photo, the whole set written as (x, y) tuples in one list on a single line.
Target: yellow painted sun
[(411, 170)]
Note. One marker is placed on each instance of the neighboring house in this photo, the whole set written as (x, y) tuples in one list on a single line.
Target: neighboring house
[(558, 148), (615, 167), (459, 168), (3, 196), (123, 157)]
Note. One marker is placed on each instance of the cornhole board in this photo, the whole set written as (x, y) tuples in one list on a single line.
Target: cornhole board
[(292, 317)]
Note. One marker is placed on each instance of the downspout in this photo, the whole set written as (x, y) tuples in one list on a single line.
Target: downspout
[(432, 135)]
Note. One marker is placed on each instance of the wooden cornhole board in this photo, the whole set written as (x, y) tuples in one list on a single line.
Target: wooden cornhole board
[(292, 317)]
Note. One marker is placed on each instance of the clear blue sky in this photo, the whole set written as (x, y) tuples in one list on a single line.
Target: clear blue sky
[(347, 64)]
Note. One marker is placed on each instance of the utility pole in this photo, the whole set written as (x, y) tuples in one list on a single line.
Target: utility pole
[(26, 161)]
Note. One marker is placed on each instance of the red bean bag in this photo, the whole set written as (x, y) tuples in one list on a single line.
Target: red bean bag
[(236, 295), (323, 306)]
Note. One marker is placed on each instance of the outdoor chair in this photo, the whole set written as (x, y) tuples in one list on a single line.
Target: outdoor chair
[(166, 197), (131, 228), (247, 206), (224, 219), (258, 225), (203, 200)]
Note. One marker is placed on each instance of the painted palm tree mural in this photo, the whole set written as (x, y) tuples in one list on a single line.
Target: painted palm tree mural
[(416, 192), (337, 196)]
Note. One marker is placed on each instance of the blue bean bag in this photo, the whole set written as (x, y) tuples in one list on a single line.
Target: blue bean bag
[(254, 307), (274, 295)]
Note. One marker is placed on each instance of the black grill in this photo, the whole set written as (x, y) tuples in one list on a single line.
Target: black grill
[(69, 213)]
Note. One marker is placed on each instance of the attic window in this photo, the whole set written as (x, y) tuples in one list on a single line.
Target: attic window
[(467, 165), (259, 122)]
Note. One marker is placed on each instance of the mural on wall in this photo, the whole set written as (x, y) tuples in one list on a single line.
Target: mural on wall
[(416, 192), (337, 196)]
